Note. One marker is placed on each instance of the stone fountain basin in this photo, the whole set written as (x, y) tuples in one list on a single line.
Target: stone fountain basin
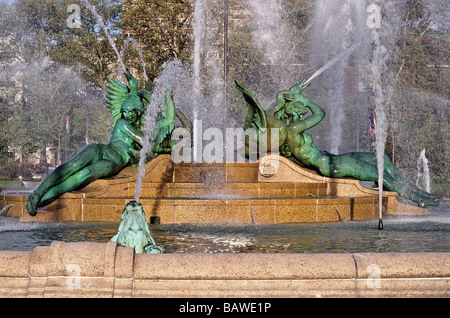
[(273, 190), (89, 269)]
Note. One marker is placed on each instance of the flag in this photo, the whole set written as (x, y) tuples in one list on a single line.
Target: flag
[(67, 123), (372, 123)]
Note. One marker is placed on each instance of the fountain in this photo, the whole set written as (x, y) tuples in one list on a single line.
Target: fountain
[(423, 172), (134, 232), (136, 45), (228, 207), (177, 77), (331, 16)]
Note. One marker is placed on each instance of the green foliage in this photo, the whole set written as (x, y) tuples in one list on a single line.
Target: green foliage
[(60, 71), (87, 47), (419, 117), (162, 28), (420, 121), (47, 33)]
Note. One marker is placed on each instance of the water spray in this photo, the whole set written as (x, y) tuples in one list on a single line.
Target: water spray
[(105, 30), (136, 45), (320, 71), (423, 172), (332, 62)]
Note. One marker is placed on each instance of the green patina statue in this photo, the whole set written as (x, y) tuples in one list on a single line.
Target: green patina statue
[(288, 115), (96, 161), (134, 231), (162, 137)]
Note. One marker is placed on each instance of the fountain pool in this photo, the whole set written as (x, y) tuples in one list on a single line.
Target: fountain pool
[(429, 233)]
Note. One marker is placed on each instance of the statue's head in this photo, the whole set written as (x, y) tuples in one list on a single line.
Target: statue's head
[(134, 212), (295, 110), (132, 109), (295, 107), (291, 108)]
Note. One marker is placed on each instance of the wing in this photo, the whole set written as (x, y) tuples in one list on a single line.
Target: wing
[(116, 93), (165, 122), (256, 116)]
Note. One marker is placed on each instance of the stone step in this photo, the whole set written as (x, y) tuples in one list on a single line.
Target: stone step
[(216, 172), (210, 210), (228, 190)]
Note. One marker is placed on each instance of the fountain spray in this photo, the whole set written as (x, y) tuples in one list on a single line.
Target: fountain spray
[(105, 30), (333, 61), (384, 35), (380, 133), (423, 171), (136, 45), (198, 12)]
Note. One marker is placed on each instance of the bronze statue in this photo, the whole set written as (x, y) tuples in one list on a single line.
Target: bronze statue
[(288, 115), (96, 161), (134, 232)]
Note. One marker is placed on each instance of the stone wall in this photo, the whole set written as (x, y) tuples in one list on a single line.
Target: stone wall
[(89, 269)]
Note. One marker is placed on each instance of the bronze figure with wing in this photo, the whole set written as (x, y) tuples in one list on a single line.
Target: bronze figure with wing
[(288, 114), (261, 122), (95, 161), (161, 137)]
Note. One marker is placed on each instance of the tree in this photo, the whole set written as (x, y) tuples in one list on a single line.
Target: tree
[(163, 30), (87, 47), (418, 117), (49, 78)]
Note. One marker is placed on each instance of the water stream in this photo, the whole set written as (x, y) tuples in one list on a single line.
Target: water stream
[(423, 172), (343, 55), (384, 35), (136, 45), (105, 30)]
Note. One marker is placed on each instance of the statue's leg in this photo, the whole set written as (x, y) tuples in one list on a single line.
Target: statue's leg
[(391, 169), (92, 172), (371, 158), (394, 180), (351, 165), (88, 154)]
